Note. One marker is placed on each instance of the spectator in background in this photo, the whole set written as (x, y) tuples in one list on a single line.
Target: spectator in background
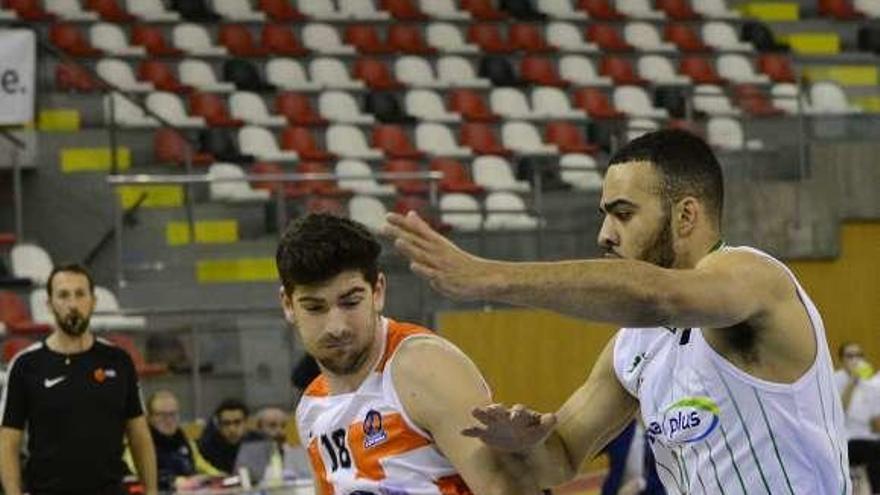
[(223, 435), (861, 406), (176, 454), (273, 459)]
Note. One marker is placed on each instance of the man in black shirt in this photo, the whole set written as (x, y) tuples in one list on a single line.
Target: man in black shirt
[(224, 434), (77, 396)]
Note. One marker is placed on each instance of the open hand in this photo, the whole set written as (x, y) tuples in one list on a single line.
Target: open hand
[(511, 430)]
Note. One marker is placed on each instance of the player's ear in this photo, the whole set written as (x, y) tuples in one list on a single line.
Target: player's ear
[(685, 215), (286, 305), (379, 292)]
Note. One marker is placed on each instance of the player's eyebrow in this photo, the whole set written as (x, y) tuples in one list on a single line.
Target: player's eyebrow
[(610, 206)]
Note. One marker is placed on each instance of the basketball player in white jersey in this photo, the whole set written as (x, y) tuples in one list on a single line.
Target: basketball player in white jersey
[(385, 414), (722, 352)]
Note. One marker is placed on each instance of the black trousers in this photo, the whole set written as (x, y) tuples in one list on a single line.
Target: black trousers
[(867, 453)]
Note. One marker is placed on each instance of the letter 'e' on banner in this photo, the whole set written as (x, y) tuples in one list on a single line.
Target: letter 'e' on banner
[(17, 82)]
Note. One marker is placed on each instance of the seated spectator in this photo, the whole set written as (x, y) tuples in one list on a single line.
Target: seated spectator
[(273, 459), (861, 405), (224, 434)]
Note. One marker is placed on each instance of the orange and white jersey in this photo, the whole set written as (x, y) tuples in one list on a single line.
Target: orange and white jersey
[(363, 442)]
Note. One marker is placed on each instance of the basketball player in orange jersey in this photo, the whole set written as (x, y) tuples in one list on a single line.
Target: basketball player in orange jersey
[(386, 412)]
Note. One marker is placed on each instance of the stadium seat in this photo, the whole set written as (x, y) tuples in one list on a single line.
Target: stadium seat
[(14, 345), (645, 37), (408, 39), (608, 38), (30, 261), (580, 172), (711, 100), (498, 70), (321, 9), (678, 10), (738, 69), (222, 145), (161, 76), (195, 10), (287, 74), (332, 73), (298, 109), (152, 11), (367, 210), (324, 39), (170, 147), (700, 70), (151, 38), (250, 107), (596, 103), (639, 9), (375, 74), (761, 37), (73, 77), (560, 9), (727, 134), (480, 138), (106, 302), (416, 72), (714, 9), (329, 206), (722, 37), (568, 138), (349, 142), (403, 10), (507, 211), (489, 38), (301, 140), (528, 38), (633, 101), (523, 10), (755, 102), (69, 10), (427, 105), (461, 211), (356, 176), (244, 75), (447, 38), (777, 66), (600, 10), (636, 128), (385, 107), (524, 139), (444, 9), (281, 11), (341, 107), (238, 41), (363, 10), (685, 38), (198, 74), (119, 74), (659, 71), (568, 38), (541, 72), (494, 173), (29, 10), (71, 41), (483, 10), (458, 72), (16, 318), (239, 191), (455, 177), (213, 109), (279, 39), (259, 142), (365, 39), (323, 187), (620, 71), (510, 103), (170, 108), (110, 39), (579, 70), (868, 8), (127, 114), (470, 105), (195, 40), (828, 98), (406, 186), (238, 11), (842, 10), (437, 140), (393, 141), (548, 102)]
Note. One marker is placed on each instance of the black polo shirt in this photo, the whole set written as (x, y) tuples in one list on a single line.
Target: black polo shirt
[(75, 409)]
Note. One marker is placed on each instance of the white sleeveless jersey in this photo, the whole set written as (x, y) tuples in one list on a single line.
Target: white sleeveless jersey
[(363, 443), (716, 429)]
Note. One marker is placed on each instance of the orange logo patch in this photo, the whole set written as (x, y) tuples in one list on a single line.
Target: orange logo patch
[(99, 375)]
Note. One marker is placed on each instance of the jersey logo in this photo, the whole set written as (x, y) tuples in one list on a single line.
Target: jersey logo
[(689, 420), (639, 359), (374, 434), (51, 382), (101, 374)]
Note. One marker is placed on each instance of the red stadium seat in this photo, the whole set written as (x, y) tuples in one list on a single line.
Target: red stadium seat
[(327, 187), (170, 147), (365, 39), (71, 41), (608, 38), (528, 37), (700, 70), (281, 10), (330, 206), (141, 365), (620, 70), (483, 10), (777, 66), (375, 74), (541, 71), (151, 38), (392, 140), (29, 10), (280, 40), (301, 140), (298, 109), (406, 38), (15, 315), (404, 10), (488, 37), (238, 40), (685, 38), (14, 345), (470, 105), (161, 76), (110, 11), (72, 77), (601, 10), (842, 10), (679, 10), (455, 177), (568, 138), (420, 205), (406, 186), (755, 102), (213, 109), (481, 138), (596, 103)]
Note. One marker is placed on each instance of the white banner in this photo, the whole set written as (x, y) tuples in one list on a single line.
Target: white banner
[(17, 68)]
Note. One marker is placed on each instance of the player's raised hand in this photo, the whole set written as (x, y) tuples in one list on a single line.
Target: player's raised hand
[(450, 270), (516, 429)]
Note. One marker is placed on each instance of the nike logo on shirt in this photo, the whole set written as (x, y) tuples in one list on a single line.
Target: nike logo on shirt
[(51, 382)]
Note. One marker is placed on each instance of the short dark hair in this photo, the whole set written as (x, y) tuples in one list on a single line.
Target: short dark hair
[(318, 246), (70, 268), (231, 405), (686, 163), (843, 346)]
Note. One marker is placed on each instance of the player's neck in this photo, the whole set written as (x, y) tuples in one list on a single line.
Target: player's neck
[(343, 384), (700, 246), (69, 344)]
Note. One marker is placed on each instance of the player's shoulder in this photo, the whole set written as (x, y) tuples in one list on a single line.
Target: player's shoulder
[(107, 349), (27, 356)]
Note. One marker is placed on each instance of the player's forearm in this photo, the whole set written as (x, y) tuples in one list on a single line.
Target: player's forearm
[(145, 460), (548, 463), (10, 466)]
